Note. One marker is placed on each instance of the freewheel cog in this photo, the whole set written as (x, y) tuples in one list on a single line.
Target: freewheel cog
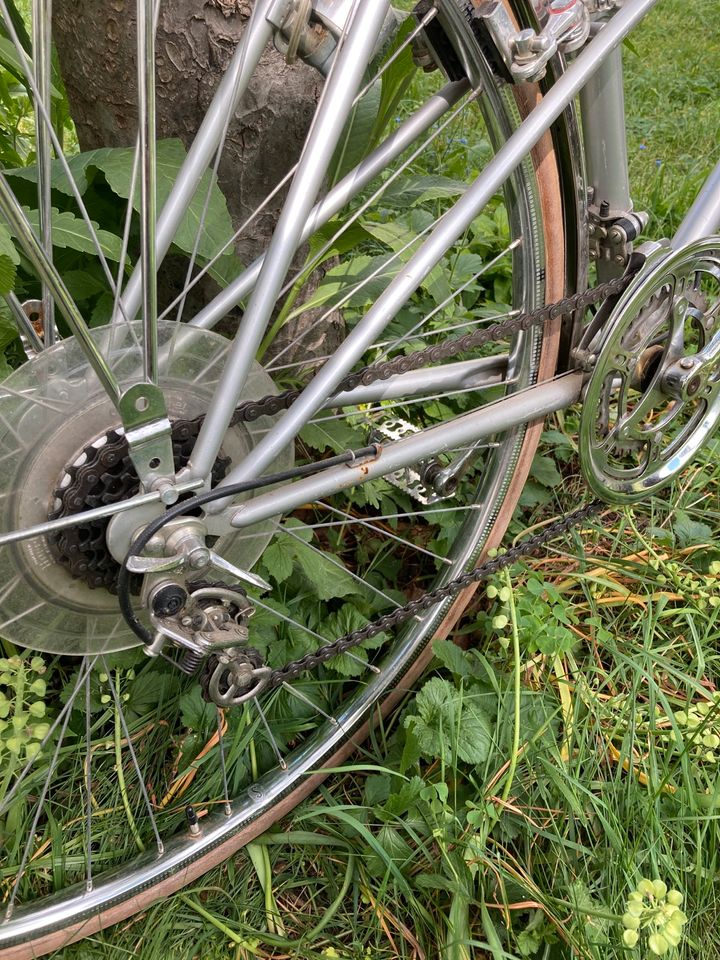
[(53, 415), (653, 397)]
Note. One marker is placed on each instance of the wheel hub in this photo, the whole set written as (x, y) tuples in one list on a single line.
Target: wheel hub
[(653, 397), (55, 421), (101, 475)]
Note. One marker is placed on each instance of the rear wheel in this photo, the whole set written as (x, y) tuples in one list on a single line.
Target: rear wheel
[(94, 807)]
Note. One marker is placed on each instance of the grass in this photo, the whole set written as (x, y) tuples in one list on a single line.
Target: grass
[(530, 845)]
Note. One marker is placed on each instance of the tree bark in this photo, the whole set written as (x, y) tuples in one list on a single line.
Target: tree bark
[(195, 40), (96, 43)]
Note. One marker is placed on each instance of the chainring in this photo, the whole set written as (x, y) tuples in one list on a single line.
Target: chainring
[(653, 397), (51, 410)]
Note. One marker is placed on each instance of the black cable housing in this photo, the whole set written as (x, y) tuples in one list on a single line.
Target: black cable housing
[(219, 493)]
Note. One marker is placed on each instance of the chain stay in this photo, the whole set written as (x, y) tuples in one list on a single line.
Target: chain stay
[(447, 350)]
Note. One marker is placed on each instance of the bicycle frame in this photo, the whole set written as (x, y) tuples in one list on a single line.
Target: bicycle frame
[(595, 76)]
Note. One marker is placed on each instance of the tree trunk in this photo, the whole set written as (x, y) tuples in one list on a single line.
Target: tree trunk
[(195, 42), (96, 44)]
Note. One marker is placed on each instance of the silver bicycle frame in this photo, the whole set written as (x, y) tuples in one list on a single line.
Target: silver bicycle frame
[(595, 76)]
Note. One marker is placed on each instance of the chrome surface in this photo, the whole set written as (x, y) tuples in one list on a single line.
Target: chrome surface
[(653, 397), (75, 904)]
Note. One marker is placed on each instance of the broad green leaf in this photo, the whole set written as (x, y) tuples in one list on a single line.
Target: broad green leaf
[(70, 231), (401, 236), (348, 239), (8, 333), (411, 190), (83, 285), (450, 721), (337, 624), (8, 271), (116, 163), (196, 713), (453, 658), (545, 472), (352, 275), (278, 562), (10, 60), (396, 79), (9, 259), (327, 580), (333, 435), (356, 139), (688, 532)]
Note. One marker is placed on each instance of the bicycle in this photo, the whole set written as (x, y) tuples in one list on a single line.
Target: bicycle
[(139, 452)]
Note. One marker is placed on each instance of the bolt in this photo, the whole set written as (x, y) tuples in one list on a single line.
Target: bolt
[(694, 385), (168, 492), (199, 558), (619, 258), (687, 363)]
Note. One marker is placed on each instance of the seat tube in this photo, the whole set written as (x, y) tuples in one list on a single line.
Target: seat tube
[(602, 103)]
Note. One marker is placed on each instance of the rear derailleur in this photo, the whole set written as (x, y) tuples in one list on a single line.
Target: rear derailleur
[(208, 622)]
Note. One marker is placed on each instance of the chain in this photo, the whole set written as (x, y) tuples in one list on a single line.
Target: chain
[(526, 548), (452, 347), (444, 351), (73, 498)]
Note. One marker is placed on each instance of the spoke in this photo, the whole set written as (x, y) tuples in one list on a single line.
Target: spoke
[(64, 714), (357, 214), (189, 282), (456, 293), (41, 46), (426, 20), (256, 35), (310, 703), (36, 819), (354, 50), (385, 516), (97, 513), (4, 388), (223, 767), (131, 748), (391, 405), (271, 738), (24, 613), (360, 285), (341, 566), (116, 311), (476, 321), (88, 787), (391, 148), (385, 533), (287, 619), (148, 187)]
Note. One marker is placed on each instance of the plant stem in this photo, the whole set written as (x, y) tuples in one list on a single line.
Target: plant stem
[(119, 769), (516, 688)]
